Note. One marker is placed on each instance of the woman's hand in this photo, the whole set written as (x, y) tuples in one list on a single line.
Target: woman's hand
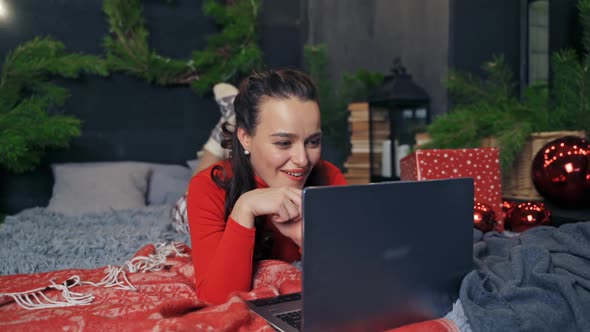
[(292, 229), (283, 205)]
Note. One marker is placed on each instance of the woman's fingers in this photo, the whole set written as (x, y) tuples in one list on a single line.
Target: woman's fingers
[(288, 210), (283, 204), (295, 196), (294, 209)]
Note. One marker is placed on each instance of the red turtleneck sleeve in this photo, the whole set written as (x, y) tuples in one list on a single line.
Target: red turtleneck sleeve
[(223, 251)]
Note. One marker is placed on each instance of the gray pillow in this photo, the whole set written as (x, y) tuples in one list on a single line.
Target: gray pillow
[(82, 188), (193, 164), (167, 183)]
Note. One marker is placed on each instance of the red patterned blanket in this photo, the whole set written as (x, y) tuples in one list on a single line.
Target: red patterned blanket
[(153, 291)]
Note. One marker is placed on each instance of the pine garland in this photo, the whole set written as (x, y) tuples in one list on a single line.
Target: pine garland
[(235, 49), (127, 47), (231, 52), (30, 120)]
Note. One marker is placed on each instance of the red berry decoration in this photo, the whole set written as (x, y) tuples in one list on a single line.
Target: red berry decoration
[(483, 217), (561, 171), (527, 215)]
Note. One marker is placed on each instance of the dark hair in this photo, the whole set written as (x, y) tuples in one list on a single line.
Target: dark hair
[(252, 92)]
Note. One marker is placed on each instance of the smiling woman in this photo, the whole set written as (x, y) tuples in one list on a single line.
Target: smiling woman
[(287, 141), (248, 207)]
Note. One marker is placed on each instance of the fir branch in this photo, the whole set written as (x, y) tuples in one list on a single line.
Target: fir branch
[(26, 95), (27, 130), (467, 89), (127, 47), (511, 142), (234, 50), (489, 107), (536, 106), (570, 81), (457, 129), (39, 58)]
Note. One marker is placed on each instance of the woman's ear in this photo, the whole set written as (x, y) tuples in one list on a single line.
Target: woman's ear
[(244, 138)]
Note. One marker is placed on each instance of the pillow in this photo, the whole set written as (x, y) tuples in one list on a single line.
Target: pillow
[(193, 164), (97, 187), (167, 183)]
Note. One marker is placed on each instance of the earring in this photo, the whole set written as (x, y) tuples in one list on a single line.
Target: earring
[(246, 152)]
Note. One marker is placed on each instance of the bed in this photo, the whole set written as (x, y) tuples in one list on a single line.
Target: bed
[(79, 265)]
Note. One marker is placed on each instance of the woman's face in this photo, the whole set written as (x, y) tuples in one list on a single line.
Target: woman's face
[(286, 143)]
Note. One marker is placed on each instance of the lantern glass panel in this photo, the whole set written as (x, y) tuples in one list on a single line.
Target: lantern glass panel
[(411, 122), (394, 129)]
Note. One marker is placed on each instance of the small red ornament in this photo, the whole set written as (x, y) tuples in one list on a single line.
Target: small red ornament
[(527, 215), (507, 207), (483, 217), (561, 171)]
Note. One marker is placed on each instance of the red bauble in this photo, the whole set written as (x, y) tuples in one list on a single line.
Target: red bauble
[(561, 171), (507, 207), (527, 215), (483, 217)]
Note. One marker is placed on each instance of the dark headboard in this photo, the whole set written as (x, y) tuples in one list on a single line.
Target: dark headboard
[(124, 118)]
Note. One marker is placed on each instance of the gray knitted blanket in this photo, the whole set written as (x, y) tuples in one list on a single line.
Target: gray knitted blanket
[(37, 240), (536, 281)]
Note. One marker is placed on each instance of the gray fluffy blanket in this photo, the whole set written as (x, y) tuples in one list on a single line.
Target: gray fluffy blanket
[(537, 281), (37, 240)]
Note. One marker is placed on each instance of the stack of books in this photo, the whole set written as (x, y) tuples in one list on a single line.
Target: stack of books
[(357, 166)]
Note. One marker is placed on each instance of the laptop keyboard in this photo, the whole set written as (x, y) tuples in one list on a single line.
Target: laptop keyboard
[(292, 318), (277, 299)]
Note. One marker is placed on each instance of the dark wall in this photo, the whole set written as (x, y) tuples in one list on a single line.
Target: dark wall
[(565, 30), (371, 34), (126, 118), (481, 29)]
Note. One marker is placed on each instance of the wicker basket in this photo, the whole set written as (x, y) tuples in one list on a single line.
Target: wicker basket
[(518, 184)]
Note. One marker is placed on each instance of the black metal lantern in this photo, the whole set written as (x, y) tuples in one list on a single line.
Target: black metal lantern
[(400, 107)]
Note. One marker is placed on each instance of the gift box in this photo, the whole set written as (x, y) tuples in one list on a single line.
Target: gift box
[(481, 164)]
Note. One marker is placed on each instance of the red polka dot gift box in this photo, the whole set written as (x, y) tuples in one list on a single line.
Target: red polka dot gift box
[(481, 164)]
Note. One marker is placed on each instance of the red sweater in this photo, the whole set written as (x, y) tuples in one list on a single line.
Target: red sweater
[(223, 251)]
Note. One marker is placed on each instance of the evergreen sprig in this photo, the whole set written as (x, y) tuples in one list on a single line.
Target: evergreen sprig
[(489, 107), (27, 128), (127, 47), (334, 98), (234, 50), (570, 93)]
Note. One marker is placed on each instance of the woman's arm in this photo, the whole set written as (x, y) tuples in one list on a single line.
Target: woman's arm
[(222, 252)]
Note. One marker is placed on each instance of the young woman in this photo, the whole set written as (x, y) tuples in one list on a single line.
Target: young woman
[(248, 207)]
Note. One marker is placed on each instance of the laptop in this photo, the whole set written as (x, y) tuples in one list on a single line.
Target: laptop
[(378, 256)]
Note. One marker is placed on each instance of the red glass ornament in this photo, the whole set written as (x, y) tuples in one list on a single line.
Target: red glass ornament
[(483, 217), (561, 171), (507, 207), (527, 215)]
